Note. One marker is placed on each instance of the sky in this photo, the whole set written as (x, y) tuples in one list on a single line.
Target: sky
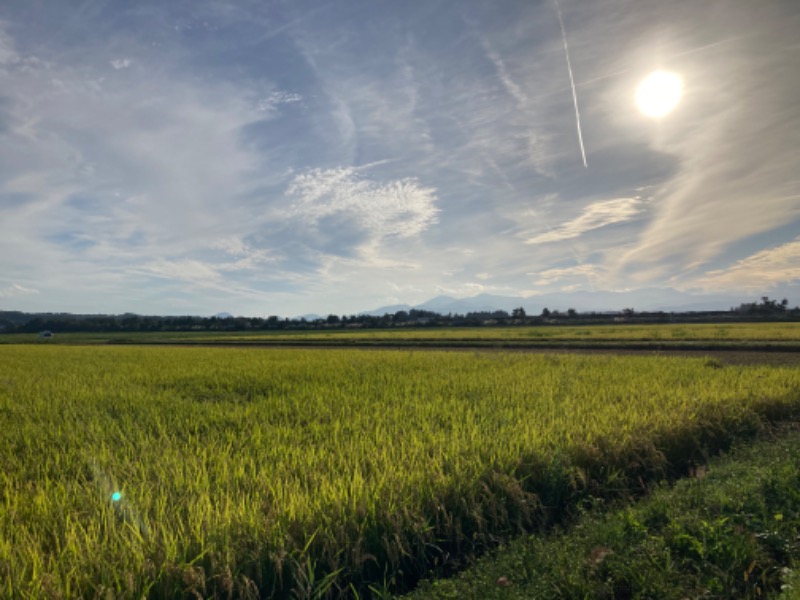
[(291, 157)]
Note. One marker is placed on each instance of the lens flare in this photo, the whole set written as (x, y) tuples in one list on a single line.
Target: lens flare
[(116, 496)]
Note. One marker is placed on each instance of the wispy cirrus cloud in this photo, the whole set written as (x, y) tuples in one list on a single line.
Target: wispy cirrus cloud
[(186, 270), (502, 125), (16, 289), (594, 216), (194, 275), (733, 135), (269, 104), (511, 86), (246, 257), (581, 273), (760, 271), (121, 156), (158, 153), (469, 288)]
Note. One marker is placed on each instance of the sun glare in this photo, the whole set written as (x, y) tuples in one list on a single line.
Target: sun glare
[(659, 93)]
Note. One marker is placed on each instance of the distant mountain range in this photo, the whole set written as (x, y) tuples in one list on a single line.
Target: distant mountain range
[(641, 300), (645, 299)]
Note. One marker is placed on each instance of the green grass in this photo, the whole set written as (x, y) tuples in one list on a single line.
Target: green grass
[(305, 470), (731, 533)]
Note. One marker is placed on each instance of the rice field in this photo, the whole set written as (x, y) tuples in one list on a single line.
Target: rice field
[(692, 332), (718, 333), (169, 472)]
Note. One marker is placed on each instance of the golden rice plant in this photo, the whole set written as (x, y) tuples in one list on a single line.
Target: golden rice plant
[(133, 471)]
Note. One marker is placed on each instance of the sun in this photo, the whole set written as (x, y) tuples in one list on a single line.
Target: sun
[(659, 93)]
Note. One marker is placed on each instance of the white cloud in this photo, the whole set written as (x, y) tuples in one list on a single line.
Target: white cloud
[(16, 290), (372, 259), (586, 272), (211, 273), (121, 63), (207, 279), (596, 215), (399, 208), (232, 245), (187, 270), (465, 289), (759, 271), (247, 257), (153, 166), (405, 288), (8, 54), (272, 101)]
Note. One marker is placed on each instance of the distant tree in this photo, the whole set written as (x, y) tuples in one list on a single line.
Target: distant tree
[(571, 312), (400, 316), (518, 313), (766, 306), (332, 319), (545, 312)]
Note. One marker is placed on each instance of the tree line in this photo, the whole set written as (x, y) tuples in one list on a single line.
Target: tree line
[(19, 322)]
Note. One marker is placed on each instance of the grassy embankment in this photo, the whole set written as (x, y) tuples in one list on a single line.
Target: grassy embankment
[(309, 470), (731, 531)]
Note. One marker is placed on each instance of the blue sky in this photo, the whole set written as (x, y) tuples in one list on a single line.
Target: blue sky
[(285, 157)]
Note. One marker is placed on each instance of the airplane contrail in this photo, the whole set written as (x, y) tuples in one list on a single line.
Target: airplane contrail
[(572, 83)]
